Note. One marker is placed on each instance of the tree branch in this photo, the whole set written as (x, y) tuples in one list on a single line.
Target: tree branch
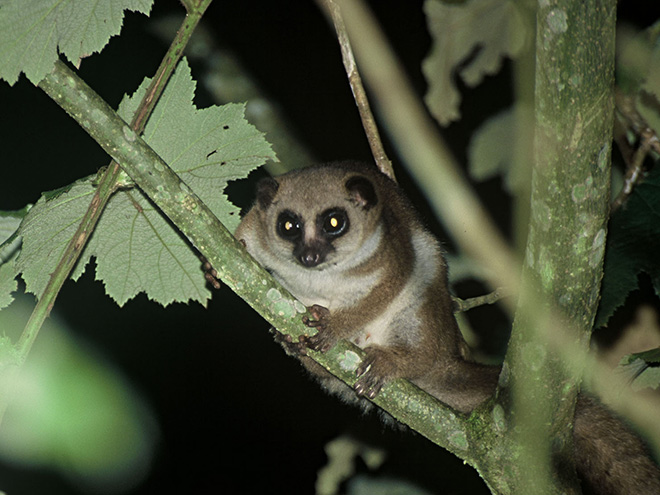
[(333, 12), (108, 181), (425, 153), (462, 305), (439, 177), (568, 222), (629, 119), (237, 269)]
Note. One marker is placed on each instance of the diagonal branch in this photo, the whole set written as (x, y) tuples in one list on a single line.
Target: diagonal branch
[(233, 264)]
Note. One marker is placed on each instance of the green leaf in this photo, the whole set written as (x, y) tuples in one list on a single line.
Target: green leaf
[(8, 283), (73, 412), (491, 151), (632, 246), (9, 222), (343, 453), (33, 31), (471, 38), (633, 57), (46, 230), (135, 246), (10, 245), (651, 356), (138, 250), (206, 147), (652, 82)]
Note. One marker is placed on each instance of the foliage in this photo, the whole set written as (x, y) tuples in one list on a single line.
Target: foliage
[(643, 369), (494, 29), (632, 247), (9, 223), (138, 248), (491, 152), (69, 400), (32, 32)]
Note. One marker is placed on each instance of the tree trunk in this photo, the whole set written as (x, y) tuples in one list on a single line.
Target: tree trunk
[(566, 239)]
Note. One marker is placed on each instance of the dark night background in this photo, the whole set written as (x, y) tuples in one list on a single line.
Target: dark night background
[(235, 414)]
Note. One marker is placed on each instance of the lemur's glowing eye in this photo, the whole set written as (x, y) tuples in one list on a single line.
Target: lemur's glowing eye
[(289, 226), (334, 222)]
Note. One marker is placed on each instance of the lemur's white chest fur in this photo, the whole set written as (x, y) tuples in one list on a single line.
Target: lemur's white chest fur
[(333, 285), (402, 315)]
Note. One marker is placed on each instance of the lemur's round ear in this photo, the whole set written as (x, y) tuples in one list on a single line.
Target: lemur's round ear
[(362, 191), (266, 190)]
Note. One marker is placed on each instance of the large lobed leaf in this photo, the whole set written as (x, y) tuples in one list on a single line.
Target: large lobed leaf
[(632, 247), (470, 38), (9, 247), (32, 32), (135, 246)]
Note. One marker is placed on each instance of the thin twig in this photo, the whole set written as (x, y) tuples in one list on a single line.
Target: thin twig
[(632, 119), (635, 168), (629, 119), (368, 122), (462, 305)]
